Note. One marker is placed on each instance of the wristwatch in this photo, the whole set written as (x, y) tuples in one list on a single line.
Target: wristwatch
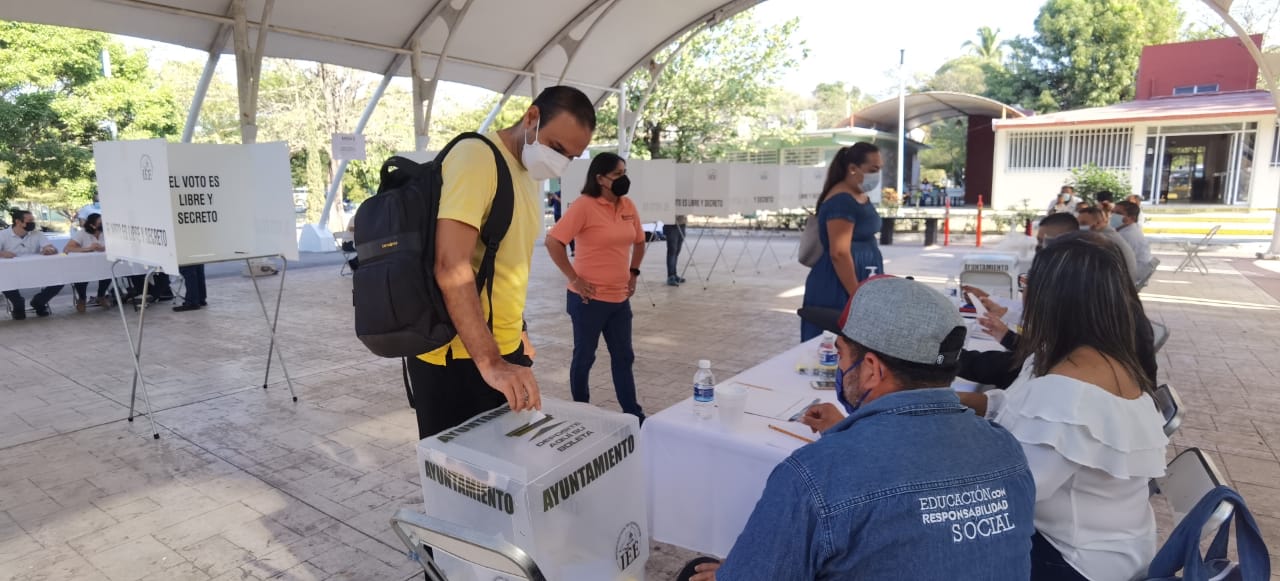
[(635, 271)]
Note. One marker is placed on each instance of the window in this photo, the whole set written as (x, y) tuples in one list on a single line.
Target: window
[(1195, 89), (806, 156), (1035, 150), (768, 157), (1108, 148)]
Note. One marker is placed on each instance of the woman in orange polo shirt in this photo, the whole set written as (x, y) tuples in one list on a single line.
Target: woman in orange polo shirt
[(602, 276)]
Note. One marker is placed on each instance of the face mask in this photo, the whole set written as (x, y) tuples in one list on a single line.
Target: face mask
[(1117, 221), (29, 227), (1085, 227), (542, 162), (844, 402), (89, 228), (870, 181), (621, 186)]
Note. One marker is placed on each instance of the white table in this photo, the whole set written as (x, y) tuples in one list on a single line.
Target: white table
[(705, 479), (38, 271)]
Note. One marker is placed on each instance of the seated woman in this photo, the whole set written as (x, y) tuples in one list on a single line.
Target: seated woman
[(1082, 408), (89, 239)]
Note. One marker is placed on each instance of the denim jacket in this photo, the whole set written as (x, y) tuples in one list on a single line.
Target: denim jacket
[(911, 486)]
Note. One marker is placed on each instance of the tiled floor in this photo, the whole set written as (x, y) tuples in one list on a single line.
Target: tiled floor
[(245, 484)]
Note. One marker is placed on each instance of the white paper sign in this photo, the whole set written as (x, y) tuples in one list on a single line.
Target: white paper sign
[(137, 213), (203, 202), (348, 146)]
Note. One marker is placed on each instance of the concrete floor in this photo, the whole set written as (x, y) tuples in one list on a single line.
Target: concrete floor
[(245, 484)]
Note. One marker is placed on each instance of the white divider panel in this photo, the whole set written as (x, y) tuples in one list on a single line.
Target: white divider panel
[(170, 204), (763, 189), (653, 189), (418, 156), (789, 187), (575, 176), (684, 188), (811, 182), (709, 191)]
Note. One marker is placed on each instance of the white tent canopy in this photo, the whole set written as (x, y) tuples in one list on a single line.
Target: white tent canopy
[(495, 44)]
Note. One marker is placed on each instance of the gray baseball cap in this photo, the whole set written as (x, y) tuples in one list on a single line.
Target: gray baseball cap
[(901, 318)]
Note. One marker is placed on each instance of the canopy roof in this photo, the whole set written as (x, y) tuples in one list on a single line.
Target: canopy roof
[(594, 44), (930, 107), (1161, 109)]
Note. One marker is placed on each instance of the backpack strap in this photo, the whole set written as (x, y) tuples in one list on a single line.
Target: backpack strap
[(1181, 552), (500, 214), (396, 172)]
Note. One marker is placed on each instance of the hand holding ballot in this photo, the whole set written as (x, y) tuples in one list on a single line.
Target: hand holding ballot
[(821, 417)]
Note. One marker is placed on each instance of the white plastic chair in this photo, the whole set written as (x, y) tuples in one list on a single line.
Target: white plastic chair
[(1189, 477), (1161, 335), (420, 532), (1193, 252), (1170, 406)]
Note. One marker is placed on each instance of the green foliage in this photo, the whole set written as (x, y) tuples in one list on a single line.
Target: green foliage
[(1084, 53), (966, 74), (716, 78), (988, 46), (1091, 179), (835, 102), (948, 142), (55, 102)]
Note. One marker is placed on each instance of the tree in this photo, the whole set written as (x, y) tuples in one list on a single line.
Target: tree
[(989, 47), (712, 79), (948, 144), (966, 74), (1084, 53), (55, 102)]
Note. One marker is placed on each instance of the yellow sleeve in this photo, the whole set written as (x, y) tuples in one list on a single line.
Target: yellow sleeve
[(470, 183)]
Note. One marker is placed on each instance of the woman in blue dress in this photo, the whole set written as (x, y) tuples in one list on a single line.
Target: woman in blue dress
[(849, 225)]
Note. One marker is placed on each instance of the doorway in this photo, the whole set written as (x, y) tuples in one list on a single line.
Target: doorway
[(1199, 165)]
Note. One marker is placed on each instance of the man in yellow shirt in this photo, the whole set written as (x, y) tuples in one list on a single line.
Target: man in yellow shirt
[(482, 369)]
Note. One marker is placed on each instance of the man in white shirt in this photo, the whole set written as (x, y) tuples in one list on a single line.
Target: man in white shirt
[(21, 240), (1091, 219), (1065, 202), (1126, 219)]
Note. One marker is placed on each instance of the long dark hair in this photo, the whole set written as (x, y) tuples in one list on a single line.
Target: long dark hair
[(601, 164), (1079, 294), (93, 218), (855, 155)]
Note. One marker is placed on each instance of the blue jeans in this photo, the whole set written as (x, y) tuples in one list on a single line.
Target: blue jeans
[(675, 241), (193, 277), (613, 320)]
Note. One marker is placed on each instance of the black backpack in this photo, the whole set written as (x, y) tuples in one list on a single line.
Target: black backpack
[(400, 311)]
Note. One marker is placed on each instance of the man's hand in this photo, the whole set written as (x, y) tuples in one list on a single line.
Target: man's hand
[(631, 286), (994, 326), (584, 289), (706, 572), (48, 250), (7, 254), (975, 291), (821, 417), (516, 382), (96, 247)]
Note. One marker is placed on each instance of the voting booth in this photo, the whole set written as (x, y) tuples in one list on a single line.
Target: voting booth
[(166, 205), (811, 181), (789, 177), (653, 189), (708, 192), (565, 485), (753, 188), (571, 182)]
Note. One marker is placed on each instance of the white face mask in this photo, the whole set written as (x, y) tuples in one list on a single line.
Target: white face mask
[(542, 162), (870, 181)]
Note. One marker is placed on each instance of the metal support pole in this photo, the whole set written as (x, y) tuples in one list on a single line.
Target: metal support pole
[(415, 80), (902, 120), (197, 100), (690, 261), (342, 165), (493, 113), (271, 325), (135, 350), (624, 136)]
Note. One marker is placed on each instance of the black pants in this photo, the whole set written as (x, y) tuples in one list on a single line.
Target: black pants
[(81, 288), (40, 301), (193, 278), (160, 287), (675, 241), (447, 395), (1047, 563), (688, 571)]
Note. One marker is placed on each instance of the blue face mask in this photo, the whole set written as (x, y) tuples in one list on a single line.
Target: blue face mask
[(844, 402)]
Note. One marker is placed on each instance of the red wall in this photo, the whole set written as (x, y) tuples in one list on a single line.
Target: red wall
[(979, 161), (1224, 61)]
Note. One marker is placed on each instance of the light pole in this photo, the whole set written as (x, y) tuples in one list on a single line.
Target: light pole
[(1269, 65), (902, 120)]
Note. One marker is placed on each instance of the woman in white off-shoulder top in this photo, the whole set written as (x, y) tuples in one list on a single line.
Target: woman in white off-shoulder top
[(1083, 411)]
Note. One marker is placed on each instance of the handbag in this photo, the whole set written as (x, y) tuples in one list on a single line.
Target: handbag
[(1182, 551), (810, 244)]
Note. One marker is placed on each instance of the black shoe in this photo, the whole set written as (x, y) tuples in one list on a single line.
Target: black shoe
[(681, 279), (185, 308), (164, 298), (204, 304), (42, 310), (19, 315), (673, 281)]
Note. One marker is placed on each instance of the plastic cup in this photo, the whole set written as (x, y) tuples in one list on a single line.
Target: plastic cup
[(731, 402)]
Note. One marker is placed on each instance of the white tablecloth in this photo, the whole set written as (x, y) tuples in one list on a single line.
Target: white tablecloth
[(705, 479), (40, 271)]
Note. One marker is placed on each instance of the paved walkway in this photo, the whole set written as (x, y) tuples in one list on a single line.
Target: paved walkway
[(245, 484)]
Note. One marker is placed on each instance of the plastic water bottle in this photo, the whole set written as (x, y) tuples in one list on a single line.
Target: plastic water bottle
[(828, 356), (704, 391), (953, 286)]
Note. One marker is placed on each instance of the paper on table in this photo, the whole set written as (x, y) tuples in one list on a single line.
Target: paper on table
[(779, 406)]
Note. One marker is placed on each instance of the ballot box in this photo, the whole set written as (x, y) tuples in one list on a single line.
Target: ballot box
[(566, 485)]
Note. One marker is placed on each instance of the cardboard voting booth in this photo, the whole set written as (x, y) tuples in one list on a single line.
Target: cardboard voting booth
[(567, 488), (811, 181), (755, 188), (709, 190), (170, 204), (653, 189), (789, 177), (571, 182)]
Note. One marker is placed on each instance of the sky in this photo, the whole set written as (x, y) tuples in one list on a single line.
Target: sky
[(850, 41)]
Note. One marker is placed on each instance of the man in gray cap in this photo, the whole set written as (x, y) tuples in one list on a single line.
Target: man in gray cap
[(911, 484)]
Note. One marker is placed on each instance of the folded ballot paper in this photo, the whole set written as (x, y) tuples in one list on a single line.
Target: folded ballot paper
[(566, 485)]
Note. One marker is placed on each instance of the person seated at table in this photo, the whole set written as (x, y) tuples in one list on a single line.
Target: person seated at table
[(910, 484), (1127, 221), (1083, 411), (25, 239), (1065, 202), (89, 239), (82, 216), (1092, 219)]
